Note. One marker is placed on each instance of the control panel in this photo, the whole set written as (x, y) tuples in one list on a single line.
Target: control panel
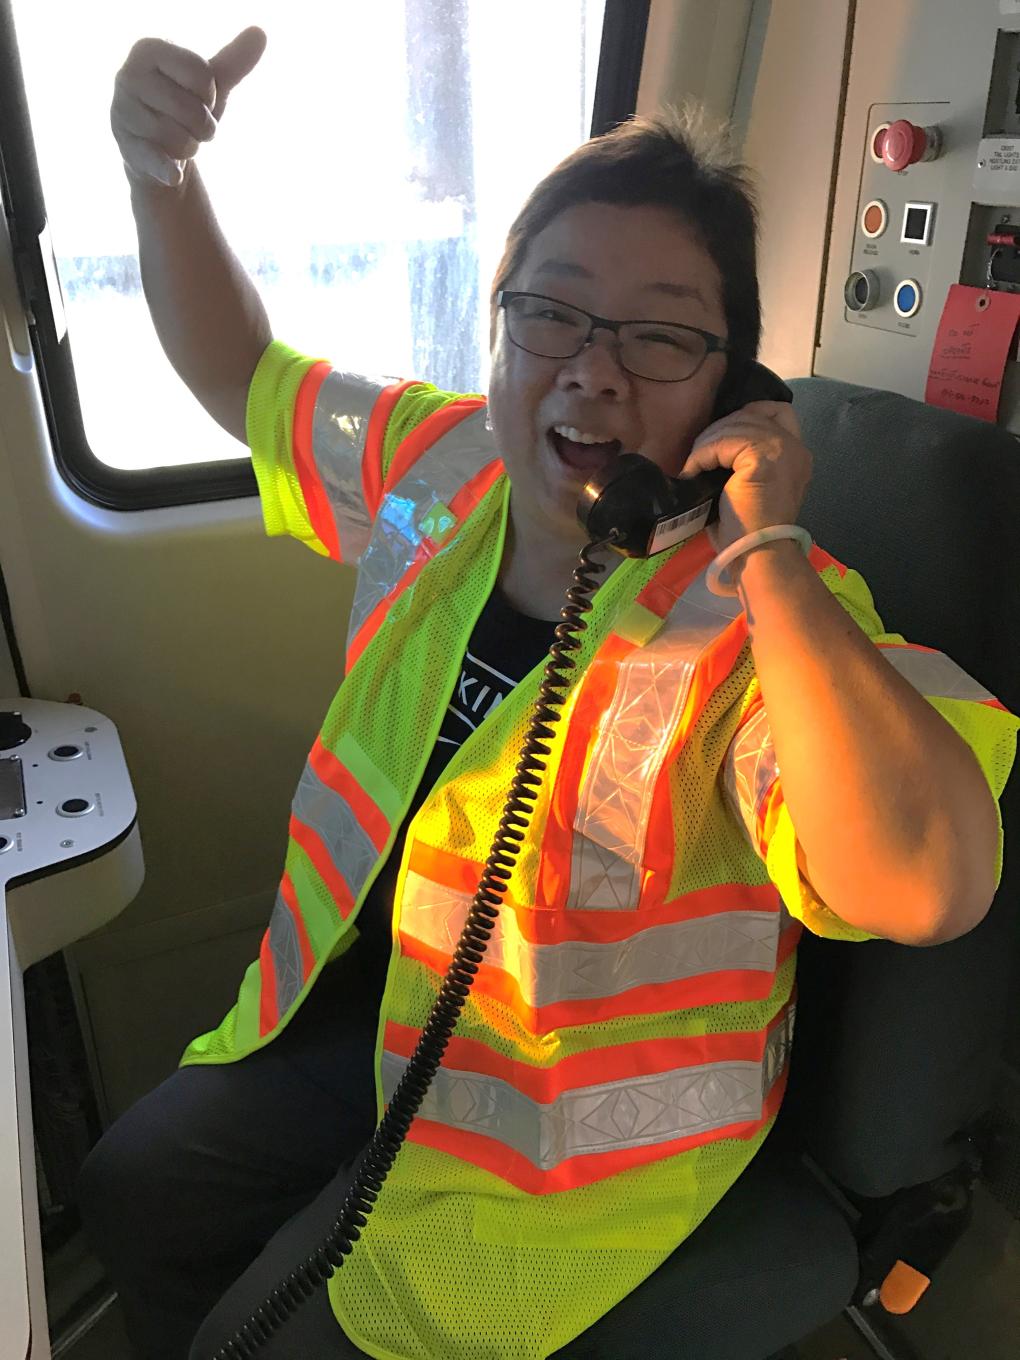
[(992, 254), (64, 791), (901, 185), (926, 213), (70, 860)]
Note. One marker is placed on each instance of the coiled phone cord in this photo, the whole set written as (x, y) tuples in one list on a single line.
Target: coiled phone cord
[(379, 1156)]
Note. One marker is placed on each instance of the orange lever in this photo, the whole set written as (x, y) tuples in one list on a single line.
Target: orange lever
[(902, 1288)]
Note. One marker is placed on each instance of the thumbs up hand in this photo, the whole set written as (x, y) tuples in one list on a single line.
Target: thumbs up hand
[(167, 101)]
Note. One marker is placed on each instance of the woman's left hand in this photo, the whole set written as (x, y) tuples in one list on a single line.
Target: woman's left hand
[(771, 468)]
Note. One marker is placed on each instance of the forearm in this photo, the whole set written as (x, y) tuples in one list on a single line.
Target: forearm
[(895, 820), (208, 315)]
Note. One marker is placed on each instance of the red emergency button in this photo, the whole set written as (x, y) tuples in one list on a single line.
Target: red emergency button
[(904, 143)]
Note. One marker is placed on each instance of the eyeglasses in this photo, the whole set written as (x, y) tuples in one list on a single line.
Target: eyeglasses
[(659, 350)]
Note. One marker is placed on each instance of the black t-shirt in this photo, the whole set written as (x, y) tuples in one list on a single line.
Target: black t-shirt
[(503, 648)]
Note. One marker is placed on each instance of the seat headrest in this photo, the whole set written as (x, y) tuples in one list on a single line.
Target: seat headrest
[(924, 504)]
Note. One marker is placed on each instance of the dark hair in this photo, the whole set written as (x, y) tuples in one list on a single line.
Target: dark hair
[(681, 160)]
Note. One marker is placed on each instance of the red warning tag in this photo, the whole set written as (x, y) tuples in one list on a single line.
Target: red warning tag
[(973, 343)]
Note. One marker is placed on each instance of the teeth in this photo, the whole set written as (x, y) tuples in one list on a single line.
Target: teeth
[(579, 436)]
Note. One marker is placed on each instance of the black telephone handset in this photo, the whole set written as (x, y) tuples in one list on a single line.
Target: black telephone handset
[(652, 512)]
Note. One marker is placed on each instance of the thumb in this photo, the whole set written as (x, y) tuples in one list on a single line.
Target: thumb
[(232, 63)]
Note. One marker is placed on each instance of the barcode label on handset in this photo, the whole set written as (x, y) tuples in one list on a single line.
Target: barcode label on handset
[(669, 532)]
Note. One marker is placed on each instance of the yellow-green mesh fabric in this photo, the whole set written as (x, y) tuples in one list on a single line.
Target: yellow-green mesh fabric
[(991, 733), (270, 417), (414, 406), (442, 1225), (270, 423), (462, 1291), (462, 815), (446, 1228), (226, 1043)]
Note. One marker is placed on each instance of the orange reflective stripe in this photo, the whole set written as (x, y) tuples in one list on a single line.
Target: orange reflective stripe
[(594, 696), (461, 506), (675, 575), (269, 1014), (615, 1063), (336, 776), (907, 647), (289, 895), (540, 926), (714, 666), (429, 432), (574, 1172), (580, 1072), (820, 559), (445, 867), (704, 989), (322, 861), (371, 463), (319, 512)]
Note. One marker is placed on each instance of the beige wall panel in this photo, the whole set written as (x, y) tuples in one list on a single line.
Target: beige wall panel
[(792, 139), (693, 49), (216, 652), (147, 991), (778, 71)]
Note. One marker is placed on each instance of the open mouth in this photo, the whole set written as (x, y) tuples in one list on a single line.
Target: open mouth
[(585, 455)]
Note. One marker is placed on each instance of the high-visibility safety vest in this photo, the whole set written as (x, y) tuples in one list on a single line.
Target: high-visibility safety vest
[(623, 1051)]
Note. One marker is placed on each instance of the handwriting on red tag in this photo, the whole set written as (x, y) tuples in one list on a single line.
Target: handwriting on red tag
[(968, 359)]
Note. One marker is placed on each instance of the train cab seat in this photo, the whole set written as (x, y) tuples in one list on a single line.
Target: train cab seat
[(866, 1181), (897, 1048)]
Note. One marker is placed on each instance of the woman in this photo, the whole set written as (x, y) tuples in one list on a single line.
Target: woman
[(622, 1054)]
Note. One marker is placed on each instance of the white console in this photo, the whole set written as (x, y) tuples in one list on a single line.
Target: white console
[(70, 860)]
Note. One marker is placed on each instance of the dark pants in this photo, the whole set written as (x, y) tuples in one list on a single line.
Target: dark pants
[(216, 1184)]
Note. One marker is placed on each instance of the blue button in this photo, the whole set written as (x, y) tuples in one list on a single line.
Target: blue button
[(907, 298)]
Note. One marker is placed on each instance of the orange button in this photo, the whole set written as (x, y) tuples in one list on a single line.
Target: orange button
[(874, 218)]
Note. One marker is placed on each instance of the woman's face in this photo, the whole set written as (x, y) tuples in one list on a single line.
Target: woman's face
[(624, 263)]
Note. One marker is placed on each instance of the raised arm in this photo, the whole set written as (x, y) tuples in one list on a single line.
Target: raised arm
[(209, 318)]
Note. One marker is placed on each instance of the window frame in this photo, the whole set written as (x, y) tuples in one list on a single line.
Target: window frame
[(621, 50)]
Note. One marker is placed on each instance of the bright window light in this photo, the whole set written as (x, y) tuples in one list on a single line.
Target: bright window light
[(370, 214)]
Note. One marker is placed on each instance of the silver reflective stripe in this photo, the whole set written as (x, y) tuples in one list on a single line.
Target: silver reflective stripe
[(686, 1102), (599, 878), (749, 771), (285, 949), (935, 675), (339, 426), (330, 816), (434, 479), (653, 685), (586, 970)]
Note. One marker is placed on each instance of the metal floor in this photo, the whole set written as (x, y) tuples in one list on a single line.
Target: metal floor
[(971, 1313)]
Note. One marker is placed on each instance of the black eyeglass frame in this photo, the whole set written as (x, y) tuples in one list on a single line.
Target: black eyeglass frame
[(715, 343)]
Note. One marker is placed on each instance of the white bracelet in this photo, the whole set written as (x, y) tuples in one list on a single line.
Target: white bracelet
[(714, 575)]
